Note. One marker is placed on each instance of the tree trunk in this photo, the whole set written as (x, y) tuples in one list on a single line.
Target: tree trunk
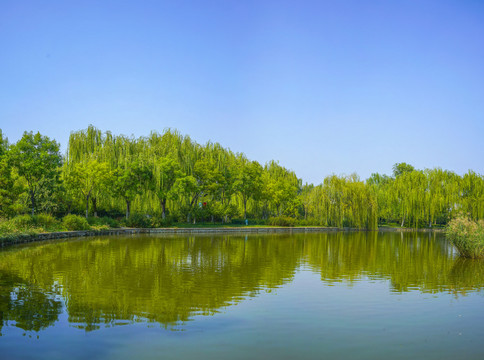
[(32, 199), (87, 206), (245, 208), (163, 207), (94, 206), (128, 205), (403, 220)]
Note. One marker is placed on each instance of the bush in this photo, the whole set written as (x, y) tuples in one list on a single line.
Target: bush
[(30, 224), (138, 221), (100, 227), (22, 222), (282, 221), (75, 222), (158, 222), (46, 221), (103, 221), (467, 236), (113, 223)]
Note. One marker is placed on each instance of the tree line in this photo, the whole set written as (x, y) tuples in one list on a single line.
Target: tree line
[(171, 177)]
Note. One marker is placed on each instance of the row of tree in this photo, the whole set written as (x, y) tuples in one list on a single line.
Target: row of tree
[(168, 174)]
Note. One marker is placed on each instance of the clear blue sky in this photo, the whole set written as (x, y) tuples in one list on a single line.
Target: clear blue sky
[(322, 86)]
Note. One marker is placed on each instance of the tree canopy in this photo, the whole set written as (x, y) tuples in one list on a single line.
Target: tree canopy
[(170, 176)]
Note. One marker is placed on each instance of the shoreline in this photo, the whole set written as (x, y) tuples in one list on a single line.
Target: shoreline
[(26, 238)]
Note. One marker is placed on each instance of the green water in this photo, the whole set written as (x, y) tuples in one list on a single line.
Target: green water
[(302, 296)]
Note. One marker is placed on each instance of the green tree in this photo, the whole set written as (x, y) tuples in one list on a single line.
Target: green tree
[(249, 181), (402, 168), (166, 173), (6, 180), (37, 159), (88, 178), (130, 181)]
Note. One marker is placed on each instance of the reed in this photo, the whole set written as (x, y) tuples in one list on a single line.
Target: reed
[(467, 236)]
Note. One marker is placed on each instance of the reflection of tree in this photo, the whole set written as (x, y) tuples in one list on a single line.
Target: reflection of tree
[(29, 308), (169, 280), (467, 274), (409, 260), (161, 280)]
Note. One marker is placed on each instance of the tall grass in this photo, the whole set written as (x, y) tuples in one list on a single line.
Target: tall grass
[(467, 236)]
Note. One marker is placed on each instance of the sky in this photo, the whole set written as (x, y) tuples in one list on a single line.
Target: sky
[(324, 87)]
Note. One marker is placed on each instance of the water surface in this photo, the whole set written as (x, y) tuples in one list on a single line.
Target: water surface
[(307, 296)]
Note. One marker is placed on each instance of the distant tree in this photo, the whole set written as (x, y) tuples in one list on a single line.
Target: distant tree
[(401, 168), (88, 178), (249, 181), (130, 181), (166, 173), (6, 181), (305, 198), (37, 159)]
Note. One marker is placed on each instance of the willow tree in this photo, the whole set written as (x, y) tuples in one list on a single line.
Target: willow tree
[(166, 172), (281, 187), (88, 178), (411, 190), (130, 181), (83, 144), (249, 182), (472, 201), (348, 201)]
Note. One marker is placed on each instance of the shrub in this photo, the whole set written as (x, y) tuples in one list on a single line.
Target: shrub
[(109, 221), (138, 221), (467, 236), (103, 221), (100, 227), (282, 221), (75, 222), (46, 221), (22, 222), (29, 224), (158, 221)]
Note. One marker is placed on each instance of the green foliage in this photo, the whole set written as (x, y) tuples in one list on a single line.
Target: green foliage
[(402, 168), (46, 221), (130, 181), (37, 159), (467, 236), (88, 178), (101, 221), (170, 175), (23, 221), (7, 195), (159, 222), (75, 222), (28, 224), (138, 221), (282, 221)]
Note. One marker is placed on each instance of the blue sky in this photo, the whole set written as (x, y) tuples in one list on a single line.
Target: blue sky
[(322, 86)]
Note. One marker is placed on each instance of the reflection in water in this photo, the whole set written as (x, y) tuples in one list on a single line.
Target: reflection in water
[(168, 280)]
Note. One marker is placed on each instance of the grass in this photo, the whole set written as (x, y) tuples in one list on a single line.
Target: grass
[(467, 236)]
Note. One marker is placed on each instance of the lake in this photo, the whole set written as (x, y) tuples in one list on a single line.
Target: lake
[(329, 295)]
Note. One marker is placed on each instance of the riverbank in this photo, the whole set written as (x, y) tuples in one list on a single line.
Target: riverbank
[(27, 238)]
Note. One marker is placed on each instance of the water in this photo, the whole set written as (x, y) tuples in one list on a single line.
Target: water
[(305, 296)]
